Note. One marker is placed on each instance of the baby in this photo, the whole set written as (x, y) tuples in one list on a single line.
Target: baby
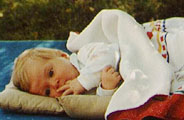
[(52, 72)]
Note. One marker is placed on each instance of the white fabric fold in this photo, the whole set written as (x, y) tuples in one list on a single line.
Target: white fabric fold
[(144, 71)]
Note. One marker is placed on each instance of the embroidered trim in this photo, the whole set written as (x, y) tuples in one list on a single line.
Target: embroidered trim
[(158, 33)]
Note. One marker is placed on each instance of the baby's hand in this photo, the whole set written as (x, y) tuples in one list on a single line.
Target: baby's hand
[(71, 87), (110, 78)]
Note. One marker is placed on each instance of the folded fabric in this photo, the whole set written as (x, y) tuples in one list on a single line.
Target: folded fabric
[(144, 71), (161, 107)]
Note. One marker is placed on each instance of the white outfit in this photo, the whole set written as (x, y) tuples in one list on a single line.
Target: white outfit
[(90, 60), (144, 71), (168, 38), (166, 35)]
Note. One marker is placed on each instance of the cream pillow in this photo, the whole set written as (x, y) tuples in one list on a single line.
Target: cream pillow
[(13, 99), (77, 106), (85, 106)]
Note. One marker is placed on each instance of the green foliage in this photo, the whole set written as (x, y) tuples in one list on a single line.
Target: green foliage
[(53, 19)]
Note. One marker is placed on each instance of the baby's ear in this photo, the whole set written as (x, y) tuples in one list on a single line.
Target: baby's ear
[(63, 54)]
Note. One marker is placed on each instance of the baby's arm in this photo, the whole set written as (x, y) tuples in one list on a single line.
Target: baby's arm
[(110, 78)]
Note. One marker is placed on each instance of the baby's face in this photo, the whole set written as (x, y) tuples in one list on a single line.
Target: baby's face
[(46, 76)]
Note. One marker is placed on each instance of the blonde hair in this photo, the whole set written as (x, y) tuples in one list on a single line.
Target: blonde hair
[(19, 75)]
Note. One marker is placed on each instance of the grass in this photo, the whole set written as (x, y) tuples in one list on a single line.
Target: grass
[(54, 19)]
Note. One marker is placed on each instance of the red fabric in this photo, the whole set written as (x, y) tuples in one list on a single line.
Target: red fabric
[(163, 107)]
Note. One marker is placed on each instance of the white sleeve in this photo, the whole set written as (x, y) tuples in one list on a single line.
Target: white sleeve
[(103, 92), (96, 59), (72, 44)]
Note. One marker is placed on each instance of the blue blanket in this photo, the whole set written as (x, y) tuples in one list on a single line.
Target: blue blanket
[(9, 50)]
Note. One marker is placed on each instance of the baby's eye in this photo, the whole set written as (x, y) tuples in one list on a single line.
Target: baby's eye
[(51, 73), (47, 92)]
